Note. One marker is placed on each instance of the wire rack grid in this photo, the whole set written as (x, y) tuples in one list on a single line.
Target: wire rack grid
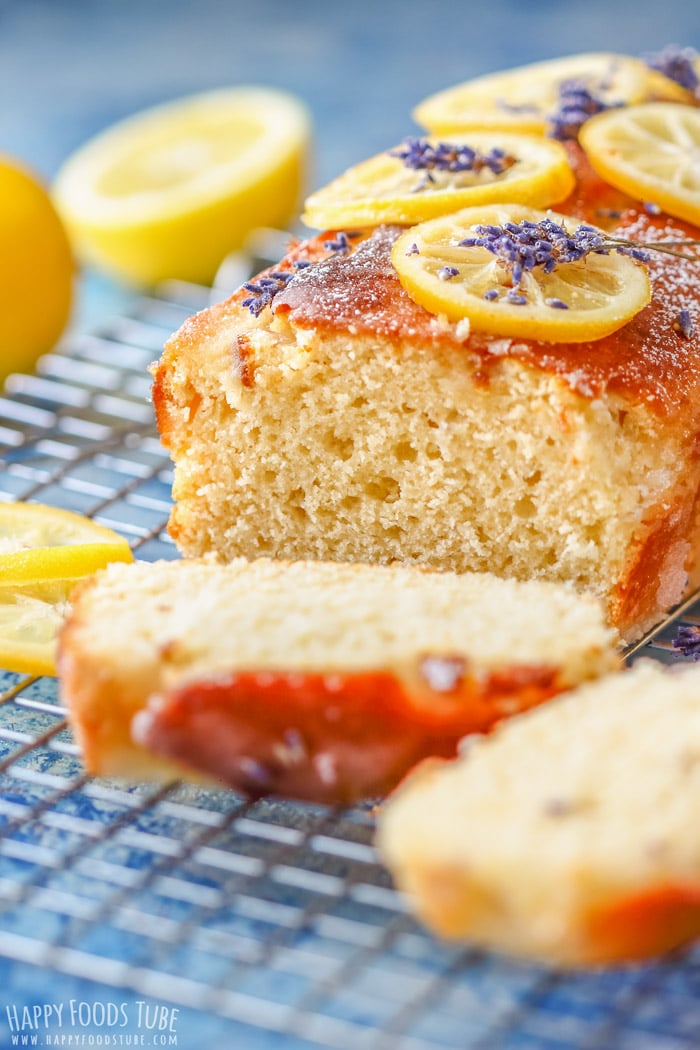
[(270, 923)]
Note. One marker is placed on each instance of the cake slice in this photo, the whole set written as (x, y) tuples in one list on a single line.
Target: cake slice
[(570, 834), (315, 680), (334, 418)]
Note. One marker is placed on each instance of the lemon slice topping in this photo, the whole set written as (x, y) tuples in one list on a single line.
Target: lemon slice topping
[(424, 178), (652, 152), (44, 552), (519, 272), (170, 191), (525, 98)]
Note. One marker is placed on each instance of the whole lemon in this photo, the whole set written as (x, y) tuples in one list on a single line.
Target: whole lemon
[(36, 269)]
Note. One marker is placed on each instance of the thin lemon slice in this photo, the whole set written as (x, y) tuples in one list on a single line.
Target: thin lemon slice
[(525, 98), (27, 526), (577, 301), (651, 152), (385, 189), (169, 192), (44, 552), (30, 619)]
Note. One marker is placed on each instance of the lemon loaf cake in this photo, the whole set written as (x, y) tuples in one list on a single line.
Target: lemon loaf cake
[(332, 417), (570, 834), (317, 680)]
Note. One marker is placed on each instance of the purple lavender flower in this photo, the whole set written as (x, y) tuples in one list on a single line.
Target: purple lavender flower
[(677, 63), (341, 244), (687, 641), (420, 154), (446, 273), (524, 246), (576, 105), (265, 289), (684, 324)]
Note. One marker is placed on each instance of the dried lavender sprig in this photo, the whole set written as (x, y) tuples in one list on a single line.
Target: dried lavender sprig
[(577, 104), (684, 324), (525, 245), (420, 154), (341, 244), (265, 289), (676, 63), (687, 641)]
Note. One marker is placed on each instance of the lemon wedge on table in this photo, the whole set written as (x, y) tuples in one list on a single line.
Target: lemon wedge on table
[(652, 152), (170, 191), (574, 302), (36, 270), (525, 98), (44, 552), (424, 178)]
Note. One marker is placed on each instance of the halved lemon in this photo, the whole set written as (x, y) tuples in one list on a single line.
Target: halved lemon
[(524, 99), (169, 192), (652, 152), (386, 189), (44, 552), (577, 301)]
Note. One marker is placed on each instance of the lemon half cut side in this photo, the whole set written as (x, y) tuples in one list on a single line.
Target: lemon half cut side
[(599, 293), (170, 191)]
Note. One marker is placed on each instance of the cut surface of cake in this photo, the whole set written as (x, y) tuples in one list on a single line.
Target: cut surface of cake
[(314, 680), (569, 834), (337, 419)]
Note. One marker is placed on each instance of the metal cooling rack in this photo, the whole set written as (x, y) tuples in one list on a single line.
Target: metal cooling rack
[(271, 924)]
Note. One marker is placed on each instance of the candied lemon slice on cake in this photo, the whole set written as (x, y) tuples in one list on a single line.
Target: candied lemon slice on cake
[(44, 552), (424, 177), (524, 99), (170, 191), (650, 151), (537, 275)]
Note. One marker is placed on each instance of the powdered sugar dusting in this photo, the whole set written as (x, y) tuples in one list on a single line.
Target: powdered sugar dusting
[(360, 292)]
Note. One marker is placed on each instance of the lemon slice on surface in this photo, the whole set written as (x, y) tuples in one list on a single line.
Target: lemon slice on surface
[(30, 619), (577, 301), (169, 192), (652, 152), (44, 552), (385, 189), (36, 270), (525, 98)]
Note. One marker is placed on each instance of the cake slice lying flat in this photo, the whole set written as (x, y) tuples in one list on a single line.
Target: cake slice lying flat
[(571, 834), (314, 680)]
